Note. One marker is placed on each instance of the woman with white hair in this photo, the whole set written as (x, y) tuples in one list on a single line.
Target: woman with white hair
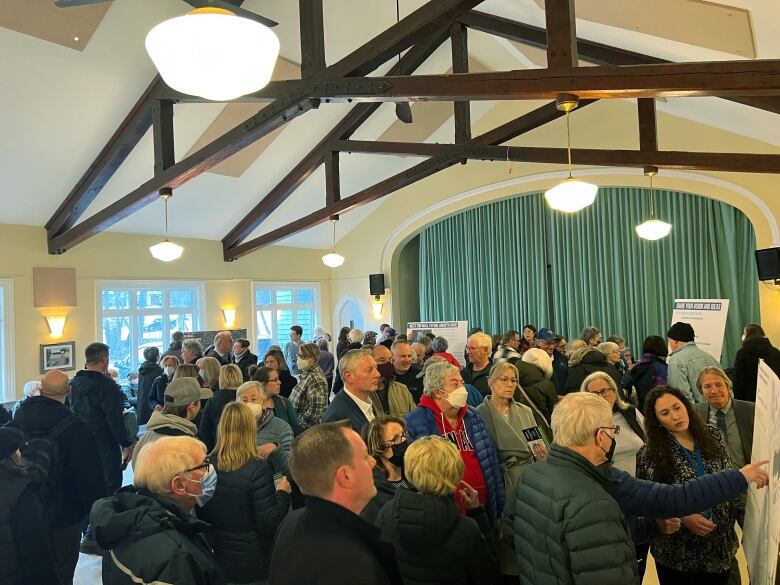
[(31, 388), (535, 370), (274, 437), (433, 542)]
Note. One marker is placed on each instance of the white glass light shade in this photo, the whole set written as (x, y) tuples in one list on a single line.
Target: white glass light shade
[(333, 260), (653, 229), (213, 53), (571, 195), (166, 251), (56, 324)]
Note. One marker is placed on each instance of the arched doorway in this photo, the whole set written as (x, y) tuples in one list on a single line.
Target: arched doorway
[(349, 314)]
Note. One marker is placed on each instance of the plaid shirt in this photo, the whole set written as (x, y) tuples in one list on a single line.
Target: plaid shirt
[(310, 397)]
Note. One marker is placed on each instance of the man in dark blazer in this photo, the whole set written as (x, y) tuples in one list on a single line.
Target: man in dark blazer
[(223, 343), (332, 466), (361, 378), (734, 418)]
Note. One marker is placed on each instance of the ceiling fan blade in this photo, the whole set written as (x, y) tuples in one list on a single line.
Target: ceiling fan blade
[(72, 3), (235, 9)]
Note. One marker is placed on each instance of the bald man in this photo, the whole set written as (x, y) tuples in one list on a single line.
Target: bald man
[(77, 473), (223, 343)]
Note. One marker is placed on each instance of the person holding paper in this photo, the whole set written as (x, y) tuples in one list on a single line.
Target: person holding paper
[(680, 446)]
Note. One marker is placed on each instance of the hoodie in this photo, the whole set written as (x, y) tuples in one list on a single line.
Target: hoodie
[(164, 425), (434, 543), (151, 539)]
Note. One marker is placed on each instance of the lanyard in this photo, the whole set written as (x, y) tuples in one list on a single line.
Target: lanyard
[(698, 463)]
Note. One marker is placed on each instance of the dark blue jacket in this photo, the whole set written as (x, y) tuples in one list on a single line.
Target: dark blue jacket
[(421, 423), (342, 407), (649, 372)]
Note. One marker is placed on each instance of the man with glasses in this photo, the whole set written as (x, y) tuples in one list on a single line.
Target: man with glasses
[(149, 527)]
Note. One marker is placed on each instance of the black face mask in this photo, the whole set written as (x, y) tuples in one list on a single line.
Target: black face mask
[(610, 453), (399, 451)]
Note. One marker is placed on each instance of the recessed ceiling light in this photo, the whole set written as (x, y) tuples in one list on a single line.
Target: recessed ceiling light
[(76, 39)]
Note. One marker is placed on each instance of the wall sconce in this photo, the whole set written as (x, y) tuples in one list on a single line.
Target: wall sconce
[(377, 306), (56, 324), (230, 317)]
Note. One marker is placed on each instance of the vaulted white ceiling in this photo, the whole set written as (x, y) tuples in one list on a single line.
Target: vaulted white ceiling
[(59, 106)]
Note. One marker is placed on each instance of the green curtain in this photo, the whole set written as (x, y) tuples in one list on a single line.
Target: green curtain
[(601, 273)]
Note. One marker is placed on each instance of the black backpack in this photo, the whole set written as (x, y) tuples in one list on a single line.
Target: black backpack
[(42, 450)]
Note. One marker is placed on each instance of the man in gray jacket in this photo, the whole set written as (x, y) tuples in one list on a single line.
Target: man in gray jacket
[(686, 360)]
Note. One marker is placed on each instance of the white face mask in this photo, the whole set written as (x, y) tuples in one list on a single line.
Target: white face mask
[(458, 397), (256, 408), (170, 371), (302, 363)]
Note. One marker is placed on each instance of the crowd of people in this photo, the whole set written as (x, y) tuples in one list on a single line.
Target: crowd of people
[(530, 458)]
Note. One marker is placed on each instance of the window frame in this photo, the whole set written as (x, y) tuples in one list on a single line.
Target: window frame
[(198, 308), (7, 368), (275, 285)]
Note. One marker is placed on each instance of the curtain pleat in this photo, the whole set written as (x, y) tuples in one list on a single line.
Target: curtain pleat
[(487, 265)]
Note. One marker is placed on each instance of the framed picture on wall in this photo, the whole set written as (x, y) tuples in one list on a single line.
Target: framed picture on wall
[(58, 356)]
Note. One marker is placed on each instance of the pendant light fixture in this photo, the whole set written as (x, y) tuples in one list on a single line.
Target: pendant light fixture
[(166, 250), (212, 53), (571, 194), (652, 229), (331, 259)]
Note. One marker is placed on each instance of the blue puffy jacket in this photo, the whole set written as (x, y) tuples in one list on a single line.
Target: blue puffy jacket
[(421, 423)]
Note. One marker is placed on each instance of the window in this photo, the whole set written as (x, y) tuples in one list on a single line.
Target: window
[(135, 315), (7, 389), (279, 306)]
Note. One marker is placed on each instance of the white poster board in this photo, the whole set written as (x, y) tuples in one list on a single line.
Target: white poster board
[(762, 512), (708, 319), (455, 332)]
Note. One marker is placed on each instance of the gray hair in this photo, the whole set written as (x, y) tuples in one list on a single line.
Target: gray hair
[(192, 345), (246, 386), (619, 402), (498, 370), (577, 417), (483, 340), (589, 333), (434, 375), (541, 359), (349, 360), (576, 344), (355, 336), (439, 345), (715, 371), (607, 348), (424, 339)]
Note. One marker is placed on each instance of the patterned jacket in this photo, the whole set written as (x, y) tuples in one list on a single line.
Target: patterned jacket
[(310, 397), (683, 550), (421, 423)]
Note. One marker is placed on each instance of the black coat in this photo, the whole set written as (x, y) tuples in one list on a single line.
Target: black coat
[(209, 418), (147, 372), (222, 359), (412, 382), (78, 472), (537, 387), (247, 360), (592, 361), (99, 401), (152, 540), (746, 366), (157, 392), (25, 542), (434, 544), (287, 382), (384, 493), (244, 514), (326, 544), (477, 379)]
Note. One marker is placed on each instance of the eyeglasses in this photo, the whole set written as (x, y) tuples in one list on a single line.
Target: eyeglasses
[(397, 440), (205, 465), (505, 380), (615, 430), (603, 393)]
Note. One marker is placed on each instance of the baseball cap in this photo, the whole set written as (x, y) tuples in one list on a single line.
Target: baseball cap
[(547, 335), (390, 332), (185, 391)]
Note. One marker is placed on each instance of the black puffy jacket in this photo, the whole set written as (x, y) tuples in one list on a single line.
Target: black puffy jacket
[(434, 544), (147, 373), (210, 415), (98, 400), (537, 386), (583, 363), (151, 539), (244, 514), (746, 366)]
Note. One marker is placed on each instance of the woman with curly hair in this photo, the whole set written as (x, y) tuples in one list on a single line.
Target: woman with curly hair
[(699, 548)]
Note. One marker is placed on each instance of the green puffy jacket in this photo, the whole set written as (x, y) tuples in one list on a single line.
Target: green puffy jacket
[(568, 528)]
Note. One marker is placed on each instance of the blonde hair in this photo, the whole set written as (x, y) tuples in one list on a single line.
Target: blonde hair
[(248, 386), (355, 336), (186, 371), (162, 460), (235, 437), (433, 465), (498, 370), (715, 371), (576, 418), (230, 376), (210, 367), (541, 359)]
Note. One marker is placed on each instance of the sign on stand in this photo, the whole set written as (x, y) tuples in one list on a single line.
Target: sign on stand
[(708, 319), (455, 332)]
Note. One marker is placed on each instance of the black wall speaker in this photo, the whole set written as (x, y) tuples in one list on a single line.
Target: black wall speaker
[(768, 263), (376, 284)]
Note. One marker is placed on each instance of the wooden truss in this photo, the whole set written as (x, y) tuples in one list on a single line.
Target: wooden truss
[(617, 73)]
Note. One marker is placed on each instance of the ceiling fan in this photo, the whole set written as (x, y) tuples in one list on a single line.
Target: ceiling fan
[(194, 3)]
